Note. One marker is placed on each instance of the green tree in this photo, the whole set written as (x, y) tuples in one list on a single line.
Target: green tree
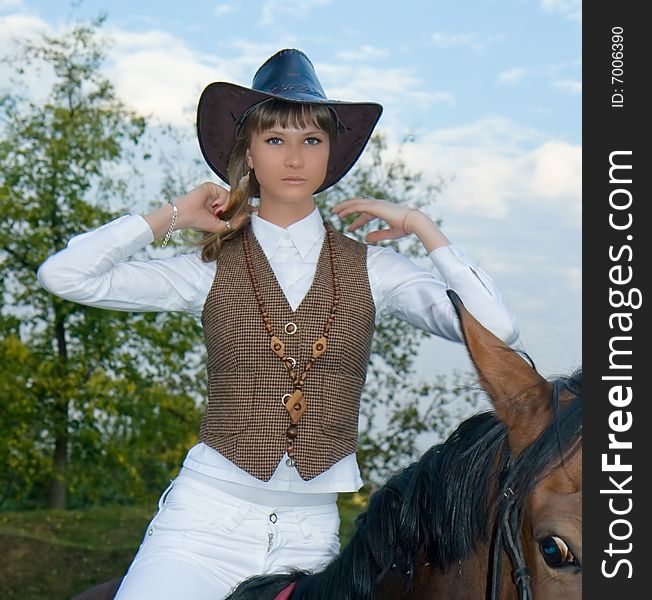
[(93, 402)]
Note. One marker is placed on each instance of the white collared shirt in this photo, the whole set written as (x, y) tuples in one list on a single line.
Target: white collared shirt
[(94, 269)]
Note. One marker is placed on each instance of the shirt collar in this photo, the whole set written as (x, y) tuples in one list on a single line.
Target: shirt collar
[(304, 234)]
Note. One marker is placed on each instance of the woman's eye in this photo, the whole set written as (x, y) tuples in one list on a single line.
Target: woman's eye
[(313, 141), (274, 141), (556, 552)]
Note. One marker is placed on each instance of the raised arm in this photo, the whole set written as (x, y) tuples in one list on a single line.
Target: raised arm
[(418, 296), (94, 269), (402, 221), (199, 209)]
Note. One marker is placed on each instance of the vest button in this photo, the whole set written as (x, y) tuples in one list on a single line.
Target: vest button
[(273, 518), (291, 328)]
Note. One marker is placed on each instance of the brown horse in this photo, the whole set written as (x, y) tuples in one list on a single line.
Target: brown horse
[(494, 512)]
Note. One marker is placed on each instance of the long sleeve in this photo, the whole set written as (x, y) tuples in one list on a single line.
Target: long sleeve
[(418, 296), (94, 269)]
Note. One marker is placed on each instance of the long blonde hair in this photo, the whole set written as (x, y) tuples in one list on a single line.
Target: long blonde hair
[(244, 186)]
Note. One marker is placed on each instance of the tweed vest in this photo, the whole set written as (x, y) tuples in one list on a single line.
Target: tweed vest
[(245, 420)]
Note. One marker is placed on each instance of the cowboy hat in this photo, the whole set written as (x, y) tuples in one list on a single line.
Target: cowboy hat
[(290, 76)]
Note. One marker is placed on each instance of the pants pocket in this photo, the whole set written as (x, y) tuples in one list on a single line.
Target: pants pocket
[(322, 527)]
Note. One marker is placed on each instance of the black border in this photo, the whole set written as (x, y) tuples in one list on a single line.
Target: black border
[(608, 127)]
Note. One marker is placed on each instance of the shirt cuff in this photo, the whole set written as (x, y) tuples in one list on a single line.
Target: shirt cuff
[(456, 268), (450, 261)]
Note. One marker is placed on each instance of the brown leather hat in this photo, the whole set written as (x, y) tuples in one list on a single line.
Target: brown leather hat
[(288, 75)]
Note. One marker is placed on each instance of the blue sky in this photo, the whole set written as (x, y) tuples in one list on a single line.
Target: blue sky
[(490, 90)]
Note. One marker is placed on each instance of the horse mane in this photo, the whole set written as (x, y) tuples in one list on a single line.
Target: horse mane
[(436, 508)]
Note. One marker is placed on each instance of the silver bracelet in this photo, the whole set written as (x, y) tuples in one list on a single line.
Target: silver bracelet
[(173, 222)]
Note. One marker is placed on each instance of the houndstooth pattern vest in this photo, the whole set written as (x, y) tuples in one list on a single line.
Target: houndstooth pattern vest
[(245, 420)]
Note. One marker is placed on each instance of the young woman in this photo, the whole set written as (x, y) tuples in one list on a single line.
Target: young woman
[(288, 308)]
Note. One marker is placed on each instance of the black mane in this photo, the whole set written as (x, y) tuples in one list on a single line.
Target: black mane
[(436, 508)]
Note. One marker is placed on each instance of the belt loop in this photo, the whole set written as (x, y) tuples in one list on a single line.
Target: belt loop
[(164, 495), (237, 518), (303, 524)]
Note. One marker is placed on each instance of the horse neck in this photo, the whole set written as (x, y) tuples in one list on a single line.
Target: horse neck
[(470, 578), (463, 579)]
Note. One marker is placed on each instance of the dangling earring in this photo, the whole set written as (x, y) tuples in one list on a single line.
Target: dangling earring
[(244, 180)]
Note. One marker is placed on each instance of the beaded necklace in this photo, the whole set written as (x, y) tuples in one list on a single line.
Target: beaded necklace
[(294, 403)]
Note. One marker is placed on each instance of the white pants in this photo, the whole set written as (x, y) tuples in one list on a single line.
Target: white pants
[(202, 542)]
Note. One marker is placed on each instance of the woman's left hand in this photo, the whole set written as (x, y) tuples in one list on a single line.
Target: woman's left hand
[(395, 215)]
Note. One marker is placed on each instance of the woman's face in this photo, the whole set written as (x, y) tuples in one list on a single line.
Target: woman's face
[(290, 164)]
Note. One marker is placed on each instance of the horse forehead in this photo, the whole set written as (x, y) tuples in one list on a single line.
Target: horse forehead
[(561, 488), (551, 502)]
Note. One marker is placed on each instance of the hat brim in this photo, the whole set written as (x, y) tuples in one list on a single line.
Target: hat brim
[(222, 104)]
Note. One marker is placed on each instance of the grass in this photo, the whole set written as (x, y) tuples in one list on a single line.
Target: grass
[(56, 554)]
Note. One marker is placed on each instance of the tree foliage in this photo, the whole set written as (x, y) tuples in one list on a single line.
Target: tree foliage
[(93, 401)]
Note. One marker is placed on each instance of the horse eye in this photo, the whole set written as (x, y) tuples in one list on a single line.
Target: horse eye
[(556, 553)]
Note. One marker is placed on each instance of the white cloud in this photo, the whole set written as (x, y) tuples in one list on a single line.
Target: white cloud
[(568, 85), (514, 207), (573, 277), (469, 40), (448, 40), (494, 166), (556, 171), (565, 66), (512, 75), (562, 76), (362, 83), (20, 26), (16, 29), (160, 75), (5, 4), (571, 9), (363, 53), (154, 72), (274, 10), (223, 9), (247, 55)]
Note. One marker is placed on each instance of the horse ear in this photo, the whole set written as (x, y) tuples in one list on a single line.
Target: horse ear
[(515, 388)]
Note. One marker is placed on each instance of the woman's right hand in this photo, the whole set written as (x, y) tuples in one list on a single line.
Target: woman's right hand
[(202, 207), (199, 209)]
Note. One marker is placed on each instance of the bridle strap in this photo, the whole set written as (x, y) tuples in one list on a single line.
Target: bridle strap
[(508, 538), (511, 525), (496, 564)]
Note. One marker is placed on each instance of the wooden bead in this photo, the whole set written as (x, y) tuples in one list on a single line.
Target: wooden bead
[(292, 432)]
